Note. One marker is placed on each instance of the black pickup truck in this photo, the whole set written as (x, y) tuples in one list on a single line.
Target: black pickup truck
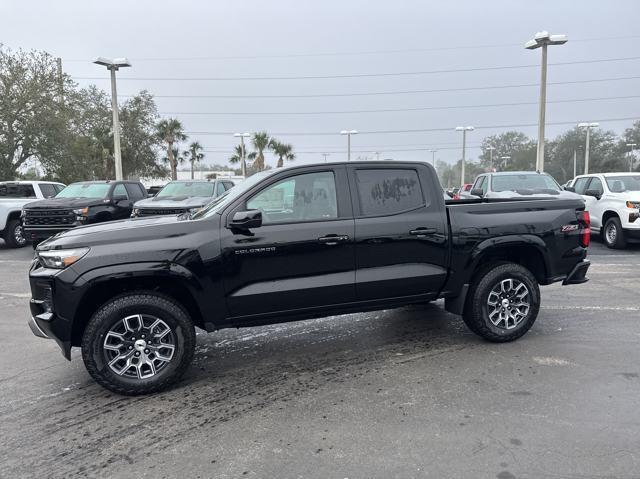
[(298, 243), (82, 203)]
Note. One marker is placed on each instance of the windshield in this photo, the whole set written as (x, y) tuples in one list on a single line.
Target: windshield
[(85, 190), (620, 184), (230, 195), (533, 181), (187, 189)]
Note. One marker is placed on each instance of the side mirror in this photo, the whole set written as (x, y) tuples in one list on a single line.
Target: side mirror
[(246, 220), (570, 188), (118, 198), (477, 192), (594, 193)]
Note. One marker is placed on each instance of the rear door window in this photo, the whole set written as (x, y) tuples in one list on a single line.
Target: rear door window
[(387, 191)]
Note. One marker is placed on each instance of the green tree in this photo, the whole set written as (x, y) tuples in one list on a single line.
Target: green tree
[(194, 154), (32, 118), (282, 151), (260, 142), (236, 158), (171, 131), (175, 157), (520, 149)]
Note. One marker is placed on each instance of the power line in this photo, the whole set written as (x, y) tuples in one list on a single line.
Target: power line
[(403, 92), (361, 75), (416, 130), (387, 110), (352, 53)]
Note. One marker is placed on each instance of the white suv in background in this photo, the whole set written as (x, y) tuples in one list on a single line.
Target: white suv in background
[(613, 202)]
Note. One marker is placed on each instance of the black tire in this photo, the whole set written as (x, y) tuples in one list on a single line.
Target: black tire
[(111, 316), (613, 234), (476, 313), (13, 234)]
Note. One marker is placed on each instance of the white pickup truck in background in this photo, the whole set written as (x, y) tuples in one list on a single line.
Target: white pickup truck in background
[(13, 196)]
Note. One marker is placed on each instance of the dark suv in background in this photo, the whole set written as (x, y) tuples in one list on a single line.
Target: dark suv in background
[(82, 203)]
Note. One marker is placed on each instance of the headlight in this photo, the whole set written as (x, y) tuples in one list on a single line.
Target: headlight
[(23, 213), (195, 210), (633, 204), (82, 211), (61, 258), (135, 212)]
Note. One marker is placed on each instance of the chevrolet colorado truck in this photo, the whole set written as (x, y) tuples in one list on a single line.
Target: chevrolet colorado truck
[(78, 204), (292, 244)]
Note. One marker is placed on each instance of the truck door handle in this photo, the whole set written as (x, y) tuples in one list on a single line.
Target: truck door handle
[(419, 232), (332, 240)]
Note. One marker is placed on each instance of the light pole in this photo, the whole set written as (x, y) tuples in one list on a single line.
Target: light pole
[(433, 157), (349, 133), (113, 65), (543, 39), (588, 126), (633, 147), (491, 148), (242, 136), (505, 158), (464, 130)]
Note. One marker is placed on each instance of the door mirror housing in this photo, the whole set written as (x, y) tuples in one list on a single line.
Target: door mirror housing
[(477, 192), (595, 193), (118, 198), (570, 188), (246, 220)]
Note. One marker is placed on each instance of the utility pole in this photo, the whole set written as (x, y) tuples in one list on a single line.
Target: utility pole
[(575, 163), (464, 130), (243, 160), (60, 82), (491, 148), (588, 126), (349, 133), (632, 146), (433, 157), (543, 39)]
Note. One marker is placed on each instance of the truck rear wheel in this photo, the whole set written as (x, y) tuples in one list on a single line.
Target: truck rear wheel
[(138, 344), (14, 235), (503, 302)]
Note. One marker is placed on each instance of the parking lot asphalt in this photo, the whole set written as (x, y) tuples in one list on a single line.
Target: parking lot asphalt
[(398, 393)]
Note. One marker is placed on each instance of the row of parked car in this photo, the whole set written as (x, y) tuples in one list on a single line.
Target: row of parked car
[(32, 211), (612, 199)]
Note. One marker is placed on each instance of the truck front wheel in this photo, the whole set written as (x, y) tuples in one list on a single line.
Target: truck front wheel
[(503, 302), (138, 344), (13, 234)]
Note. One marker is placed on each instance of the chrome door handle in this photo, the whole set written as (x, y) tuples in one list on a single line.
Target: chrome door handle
[(419, 232), (331, 240)]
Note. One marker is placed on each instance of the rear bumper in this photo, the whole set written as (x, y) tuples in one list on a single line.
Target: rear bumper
[(578, 273)]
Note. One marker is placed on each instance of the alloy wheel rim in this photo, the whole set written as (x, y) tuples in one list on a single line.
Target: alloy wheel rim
[(508, 303), (612, 233), (139, 346), (18, 235)]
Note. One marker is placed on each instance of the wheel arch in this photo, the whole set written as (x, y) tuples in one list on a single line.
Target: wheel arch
[(104, 288), (607, 215)]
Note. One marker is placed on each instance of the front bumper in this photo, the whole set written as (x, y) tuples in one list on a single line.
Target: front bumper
[(37, 234), (36, 330), (578, 273)]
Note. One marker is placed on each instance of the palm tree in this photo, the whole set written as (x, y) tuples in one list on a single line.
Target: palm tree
[(194, 154), (171, 131), (260, 142), (237, 155), (283, 151), (178, 159)]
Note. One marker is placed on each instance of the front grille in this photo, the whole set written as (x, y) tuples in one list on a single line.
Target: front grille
[(160, 211), (48, 217)]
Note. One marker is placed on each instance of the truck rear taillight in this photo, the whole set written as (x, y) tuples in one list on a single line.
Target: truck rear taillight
[(585, 231)]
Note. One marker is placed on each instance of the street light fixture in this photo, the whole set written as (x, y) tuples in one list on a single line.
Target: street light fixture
[(633, 147), (464, 130), (242, 136), (113, 65), (433, 157), (588, 126), (543, 39), (349, 133)]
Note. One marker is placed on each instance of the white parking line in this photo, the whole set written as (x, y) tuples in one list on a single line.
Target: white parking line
[(595, 308)]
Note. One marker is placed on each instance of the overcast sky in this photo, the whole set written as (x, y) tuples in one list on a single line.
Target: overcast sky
[(181, 41)]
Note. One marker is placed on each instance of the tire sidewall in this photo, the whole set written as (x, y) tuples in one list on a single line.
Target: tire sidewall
[(490, 280), (108, 315), (10, 238), (618, 226)]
